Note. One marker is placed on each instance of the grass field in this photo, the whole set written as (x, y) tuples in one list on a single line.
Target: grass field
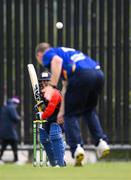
[(98, 171)]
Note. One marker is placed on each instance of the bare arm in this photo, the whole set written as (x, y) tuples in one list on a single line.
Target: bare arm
[(64, 85), (60, 116), (56, 67)]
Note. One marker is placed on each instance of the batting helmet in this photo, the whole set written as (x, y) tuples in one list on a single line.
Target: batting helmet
[(45, 76)]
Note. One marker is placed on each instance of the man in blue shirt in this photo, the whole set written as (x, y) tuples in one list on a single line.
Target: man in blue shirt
[(82, 81)]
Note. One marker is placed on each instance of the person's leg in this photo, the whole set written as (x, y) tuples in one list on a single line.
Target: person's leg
[(45, 141), (4, 143), (94, 126), (72, 133), (14, 144), (74, 139), (75, 104), (78, 100), (92, 118), (97, 133), (58, 143)]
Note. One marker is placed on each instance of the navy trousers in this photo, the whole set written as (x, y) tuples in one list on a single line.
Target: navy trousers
[(81, 100)]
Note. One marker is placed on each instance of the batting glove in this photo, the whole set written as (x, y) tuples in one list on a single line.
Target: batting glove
[(39, 106), (39, 115)]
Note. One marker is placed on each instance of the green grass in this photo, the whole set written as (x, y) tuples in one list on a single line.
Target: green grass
[(98, 171)]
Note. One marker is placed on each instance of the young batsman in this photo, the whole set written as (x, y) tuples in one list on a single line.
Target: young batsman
[(83, 81), (51, 133)]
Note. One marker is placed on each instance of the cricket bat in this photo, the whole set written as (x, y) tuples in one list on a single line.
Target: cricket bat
[(34, 83), (36, 92)]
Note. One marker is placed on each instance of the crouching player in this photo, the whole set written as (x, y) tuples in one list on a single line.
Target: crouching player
[(51, 132)]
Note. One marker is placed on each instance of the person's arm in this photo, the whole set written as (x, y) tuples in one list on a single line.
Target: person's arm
[(14, 114), (52, 105), (60, 116), (56, 67)]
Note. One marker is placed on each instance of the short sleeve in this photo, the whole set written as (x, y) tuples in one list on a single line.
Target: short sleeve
[(47, 57)]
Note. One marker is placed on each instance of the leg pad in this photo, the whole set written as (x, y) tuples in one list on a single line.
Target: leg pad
[(58, 144)]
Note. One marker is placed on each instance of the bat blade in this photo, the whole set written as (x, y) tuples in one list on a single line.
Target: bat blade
[(34, 82)]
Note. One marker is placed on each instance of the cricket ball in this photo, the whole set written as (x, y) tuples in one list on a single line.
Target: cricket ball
[(59, 25)]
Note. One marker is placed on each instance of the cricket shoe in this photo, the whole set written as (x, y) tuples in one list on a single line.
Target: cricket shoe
[(102, 149), (79, 155)]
